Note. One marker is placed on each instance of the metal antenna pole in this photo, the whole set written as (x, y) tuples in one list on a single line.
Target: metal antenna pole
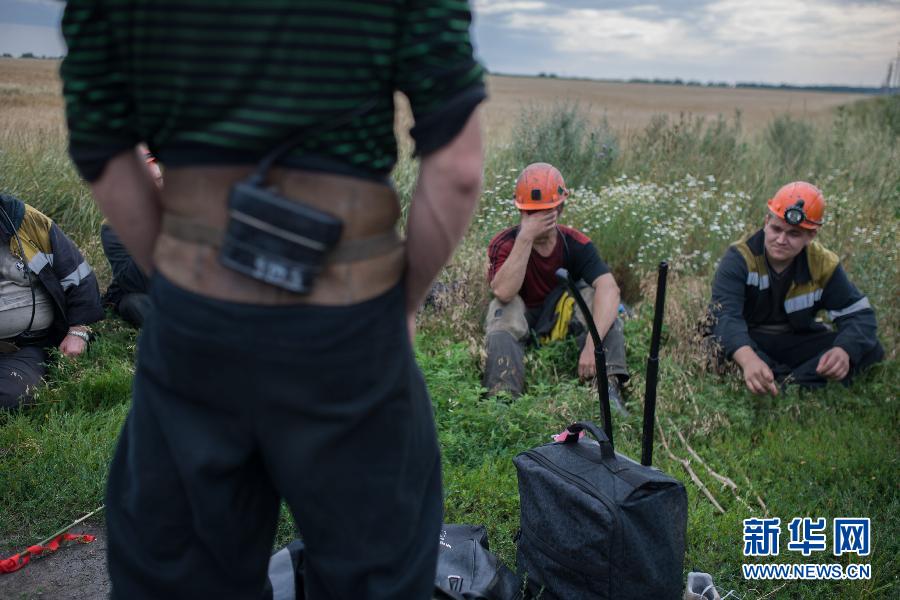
[(653, 367)]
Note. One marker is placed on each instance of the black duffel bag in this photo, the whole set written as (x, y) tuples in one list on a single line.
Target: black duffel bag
[(596, 524)]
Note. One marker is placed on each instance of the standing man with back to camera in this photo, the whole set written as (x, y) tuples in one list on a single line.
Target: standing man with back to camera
[(276, 359)]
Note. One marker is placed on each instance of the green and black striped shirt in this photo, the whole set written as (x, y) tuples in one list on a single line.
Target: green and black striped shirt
[(223, 82)]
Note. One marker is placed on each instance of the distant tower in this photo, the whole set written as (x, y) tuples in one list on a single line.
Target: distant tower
[(892, 82)]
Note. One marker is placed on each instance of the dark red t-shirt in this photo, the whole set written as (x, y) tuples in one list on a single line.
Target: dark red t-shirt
[(573, 250)]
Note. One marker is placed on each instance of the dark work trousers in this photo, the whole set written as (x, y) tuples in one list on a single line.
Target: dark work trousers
[(793, 357), (20, 373), (507, 328), (236, 406), (133, 308)]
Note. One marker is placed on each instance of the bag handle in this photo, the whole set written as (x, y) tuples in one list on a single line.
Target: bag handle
[(606, 448), (562, 275)]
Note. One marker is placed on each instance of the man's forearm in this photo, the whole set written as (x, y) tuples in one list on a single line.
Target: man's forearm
[(605, 310), (130, 201), (446, 194), (509, 278)]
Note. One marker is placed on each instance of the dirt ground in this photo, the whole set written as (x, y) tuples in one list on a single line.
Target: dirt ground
[(74, 572)]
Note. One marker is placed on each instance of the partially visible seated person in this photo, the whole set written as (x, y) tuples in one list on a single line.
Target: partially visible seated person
[(48, 297), (127, 292), (523, 263), (767, 293)]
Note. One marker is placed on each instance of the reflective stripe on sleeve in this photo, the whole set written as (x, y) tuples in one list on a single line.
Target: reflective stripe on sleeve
[(75, 277), (755, 280), (860, 304), (802, 302), (39, 261)]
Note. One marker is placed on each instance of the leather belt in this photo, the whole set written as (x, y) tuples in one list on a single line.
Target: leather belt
[(192, 230), (368, 260)]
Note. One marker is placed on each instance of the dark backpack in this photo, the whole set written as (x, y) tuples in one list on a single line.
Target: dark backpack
[(466, 569)]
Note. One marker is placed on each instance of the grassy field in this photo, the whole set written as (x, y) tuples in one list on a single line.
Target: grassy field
[(662, 176)]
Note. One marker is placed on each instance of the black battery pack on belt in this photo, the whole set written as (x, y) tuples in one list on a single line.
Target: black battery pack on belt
[(277, 240)]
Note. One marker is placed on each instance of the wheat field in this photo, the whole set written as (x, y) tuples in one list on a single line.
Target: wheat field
[(30, 96)]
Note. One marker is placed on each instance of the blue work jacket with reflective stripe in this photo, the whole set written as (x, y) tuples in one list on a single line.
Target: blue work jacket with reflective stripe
[(742, 297), (58, 264)]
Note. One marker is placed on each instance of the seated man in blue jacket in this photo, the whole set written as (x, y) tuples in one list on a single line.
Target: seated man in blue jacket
[(768, 290), (48, 297)]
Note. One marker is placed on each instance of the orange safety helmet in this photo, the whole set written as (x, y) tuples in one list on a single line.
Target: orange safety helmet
[(539, 187), (799, 203)]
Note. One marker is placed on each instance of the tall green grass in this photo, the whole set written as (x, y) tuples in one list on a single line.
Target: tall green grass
[(682, 190)]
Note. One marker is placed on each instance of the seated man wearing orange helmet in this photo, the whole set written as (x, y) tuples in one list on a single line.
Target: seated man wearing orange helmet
[(522, 274), (768, 290)]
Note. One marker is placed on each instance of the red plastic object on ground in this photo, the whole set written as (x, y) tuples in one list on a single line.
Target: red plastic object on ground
[(17, 561)]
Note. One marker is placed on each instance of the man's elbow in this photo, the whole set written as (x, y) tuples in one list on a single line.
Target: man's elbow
[(614, 293), (501, 294), (607, 288), (458, 167), (461, 175)]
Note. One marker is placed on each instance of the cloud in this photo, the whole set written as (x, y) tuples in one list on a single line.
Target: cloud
[(490, 7), (801, 41), (582, 32)]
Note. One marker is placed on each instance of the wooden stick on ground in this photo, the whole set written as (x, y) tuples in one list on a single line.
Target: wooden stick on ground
[(772, 592), (687, 467), (71, 525), (721, 478), (759, 499)]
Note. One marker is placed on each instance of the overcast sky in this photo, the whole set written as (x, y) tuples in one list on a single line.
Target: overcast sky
[(772, 41)]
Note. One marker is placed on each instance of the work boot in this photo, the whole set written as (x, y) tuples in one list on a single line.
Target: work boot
[(700, 587), (616, 403)]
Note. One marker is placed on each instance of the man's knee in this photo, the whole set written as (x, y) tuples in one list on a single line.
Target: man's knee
[(872, 357), (614, 347), (20, 375), (134, 308), (508, 317), (504, 368), (16, 389)]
